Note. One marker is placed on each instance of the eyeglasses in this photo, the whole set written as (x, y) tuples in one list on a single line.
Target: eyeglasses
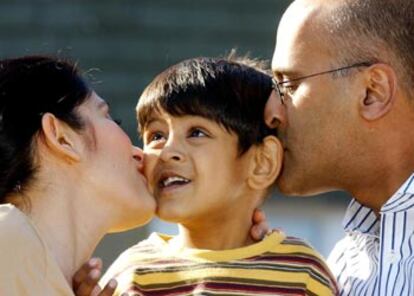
[(281, 89)]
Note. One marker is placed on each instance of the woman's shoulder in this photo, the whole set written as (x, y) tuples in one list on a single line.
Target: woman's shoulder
[(17, 235), (22, 255), (13, 223)]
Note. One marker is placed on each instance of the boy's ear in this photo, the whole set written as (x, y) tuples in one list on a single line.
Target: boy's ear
[(380, 92), (59, 138), (267, 163)]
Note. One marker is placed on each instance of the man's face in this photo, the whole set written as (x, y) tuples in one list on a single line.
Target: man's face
[(316, 111)]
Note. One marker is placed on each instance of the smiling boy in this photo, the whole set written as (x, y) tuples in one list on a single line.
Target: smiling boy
[(210, 161)]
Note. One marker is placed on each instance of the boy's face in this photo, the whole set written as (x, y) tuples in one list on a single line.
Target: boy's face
[(193, 168)]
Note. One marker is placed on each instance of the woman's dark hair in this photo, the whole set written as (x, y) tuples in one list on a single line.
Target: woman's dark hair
[(230, 91), (30, 87)]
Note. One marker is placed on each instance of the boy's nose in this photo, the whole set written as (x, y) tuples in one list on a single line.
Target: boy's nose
[(274, 113), (171, 152)]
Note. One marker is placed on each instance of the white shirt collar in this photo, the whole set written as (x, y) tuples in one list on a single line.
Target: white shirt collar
[(362, 219)]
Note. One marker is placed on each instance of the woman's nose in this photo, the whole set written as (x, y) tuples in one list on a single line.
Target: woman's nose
[(138, 155)]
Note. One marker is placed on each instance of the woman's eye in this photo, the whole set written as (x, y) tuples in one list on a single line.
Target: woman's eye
[(197, 133), (118, 121)]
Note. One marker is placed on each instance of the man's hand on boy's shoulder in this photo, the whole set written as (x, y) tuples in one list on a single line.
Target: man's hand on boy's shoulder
[(260, 227), (85, 280)]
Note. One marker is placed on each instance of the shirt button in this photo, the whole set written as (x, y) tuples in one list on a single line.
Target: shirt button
[(391, 257)]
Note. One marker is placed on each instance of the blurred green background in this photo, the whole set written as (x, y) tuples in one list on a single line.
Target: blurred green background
[(123, 44)]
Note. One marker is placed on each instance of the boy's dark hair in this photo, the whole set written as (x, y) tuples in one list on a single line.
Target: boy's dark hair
[(231, 91)]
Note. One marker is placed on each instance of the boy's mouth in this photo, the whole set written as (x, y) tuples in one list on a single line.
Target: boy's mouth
[(170, 180)]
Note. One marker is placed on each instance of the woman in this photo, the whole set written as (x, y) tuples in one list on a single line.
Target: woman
[(69, 174)]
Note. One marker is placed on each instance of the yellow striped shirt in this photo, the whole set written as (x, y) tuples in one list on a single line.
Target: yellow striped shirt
[(278, 265)]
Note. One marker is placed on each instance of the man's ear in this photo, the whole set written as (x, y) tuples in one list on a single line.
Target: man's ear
[(380, 92), (59, 138), (267, 163)]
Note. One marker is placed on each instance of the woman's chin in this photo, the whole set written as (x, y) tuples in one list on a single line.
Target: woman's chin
[(141, 217)]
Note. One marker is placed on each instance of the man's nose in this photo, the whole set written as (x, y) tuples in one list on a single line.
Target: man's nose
[(274, 113)]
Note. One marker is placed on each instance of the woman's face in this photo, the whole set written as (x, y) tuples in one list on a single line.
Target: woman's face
[(114, 167)]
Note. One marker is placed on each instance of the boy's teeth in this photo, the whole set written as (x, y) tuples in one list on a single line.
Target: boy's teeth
[(171, 180)]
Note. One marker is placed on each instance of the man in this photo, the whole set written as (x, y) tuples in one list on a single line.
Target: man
[(344, 102)]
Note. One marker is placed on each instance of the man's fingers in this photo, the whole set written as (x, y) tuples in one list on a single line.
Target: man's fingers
[(260, 226), (89, 285), (82, 273), (109, 288), (257, 233), (258, 216)]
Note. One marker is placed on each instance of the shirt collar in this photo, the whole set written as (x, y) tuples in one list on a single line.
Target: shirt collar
[(402, 200), (362, 219)]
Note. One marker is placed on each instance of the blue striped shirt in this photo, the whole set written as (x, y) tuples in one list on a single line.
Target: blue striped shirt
[(376, 257)]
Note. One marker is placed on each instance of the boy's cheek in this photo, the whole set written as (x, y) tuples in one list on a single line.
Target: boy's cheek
[(150, 161)]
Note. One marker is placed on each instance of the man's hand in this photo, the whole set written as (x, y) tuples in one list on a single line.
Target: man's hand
[(85, 281), (260, 227)]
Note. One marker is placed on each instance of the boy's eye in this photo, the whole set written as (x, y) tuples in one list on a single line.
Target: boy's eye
[(154, 137), (197, 133)]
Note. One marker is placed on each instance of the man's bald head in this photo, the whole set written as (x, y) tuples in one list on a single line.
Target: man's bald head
[(368, 30), (357, 108)]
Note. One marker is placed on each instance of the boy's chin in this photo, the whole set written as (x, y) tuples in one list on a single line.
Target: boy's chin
[(168, 215)]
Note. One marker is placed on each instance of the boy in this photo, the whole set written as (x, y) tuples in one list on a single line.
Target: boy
[(210, 161)]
